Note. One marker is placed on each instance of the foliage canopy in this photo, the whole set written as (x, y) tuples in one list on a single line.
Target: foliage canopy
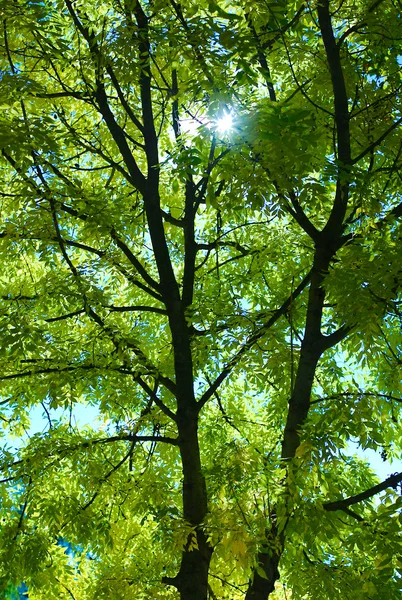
[(227, 297)]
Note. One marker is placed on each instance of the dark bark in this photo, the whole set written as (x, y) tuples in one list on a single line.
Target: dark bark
[(338, 82), (311, 350), (327, 242), (342, 120), (136, 176), (252, 340), (391, 481), (261, 57), (192, 579), (261, 587), (190, 247)]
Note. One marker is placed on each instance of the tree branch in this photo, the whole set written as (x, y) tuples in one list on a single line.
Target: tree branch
[(122, 99), (129, 437), (301, 218), (391, 481), (252, 339), (117, 133), (327, 341), (377, 142), (67, 316), (341, 118), (171, 386), (134, 261), (356, 394), (137, 308), (262, 59)]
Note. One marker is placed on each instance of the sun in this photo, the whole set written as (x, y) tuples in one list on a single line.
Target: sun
[(224, 123)]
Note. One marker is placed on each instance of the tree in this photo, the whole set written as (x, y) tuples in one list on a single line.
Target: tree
[(201, 237)]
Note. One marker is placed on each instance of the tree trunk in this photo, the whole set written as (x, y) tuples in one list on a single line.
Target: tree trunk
[(261, 587), (299, 403), (192, 578)]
